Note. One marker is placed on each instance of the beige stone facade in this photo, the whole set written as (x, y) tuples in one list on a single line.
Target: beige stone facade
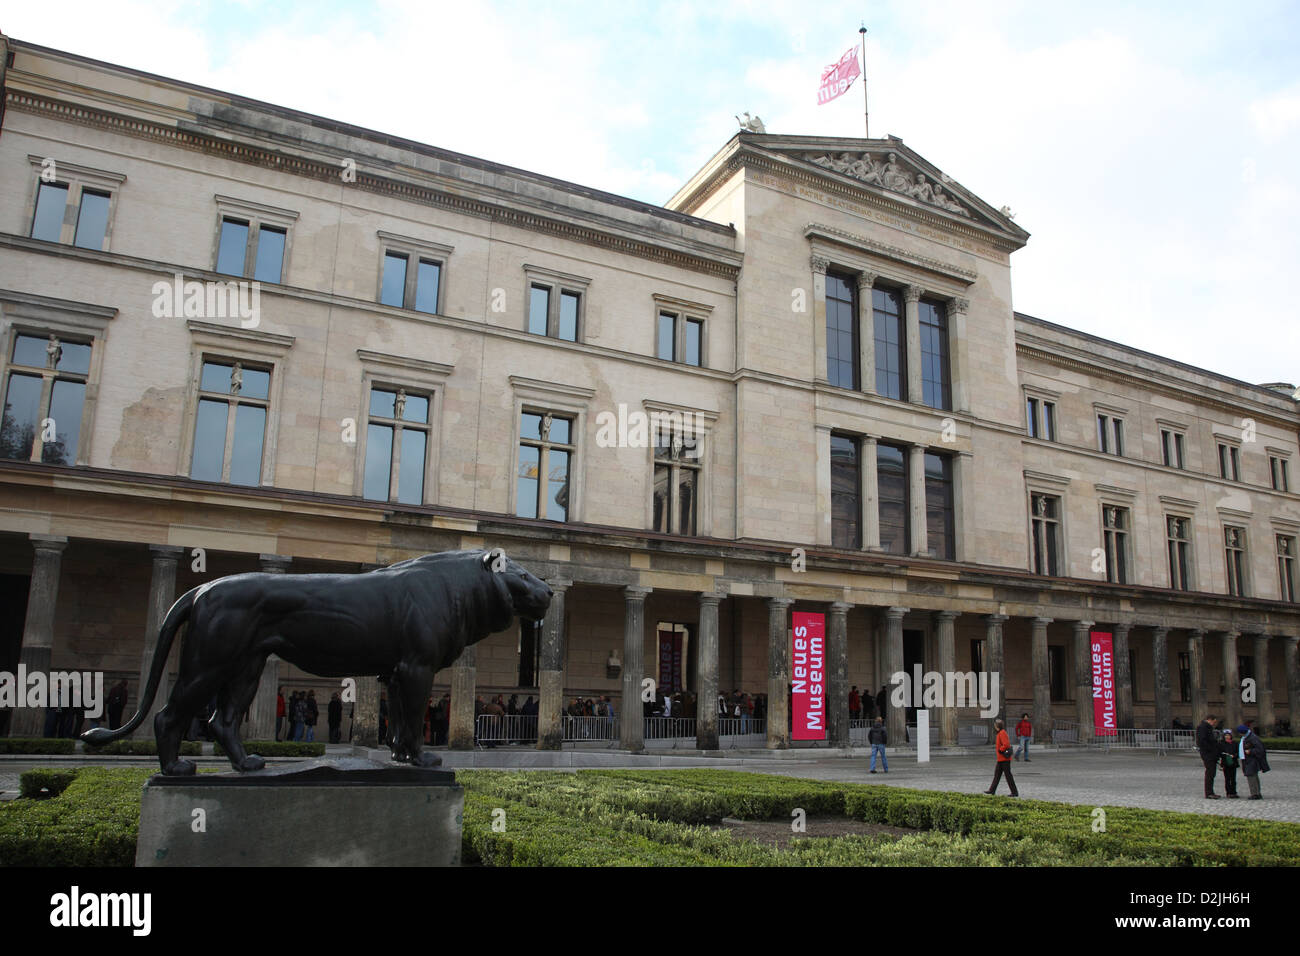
[(91, 547)]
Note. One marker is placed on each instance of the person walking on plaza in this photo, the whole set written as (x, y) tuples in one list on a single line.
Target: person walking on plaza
[(1208, 747), (336, 718), (878, 736), (1024, 734), (1229, 761), (1254, 759), (1003, 747)]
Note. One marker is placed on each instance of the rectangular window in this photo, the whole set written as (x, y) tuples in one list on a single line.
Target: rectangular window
[(253, 240), (1229, 462), (841, 331), (92, 220), (891, 343), (428, 278), (1178, 536), (679, 338), (1031, 416), (1184, 677), (1110, 434), (1234, 545), (269, 258), (936, 385), (554, 306), (51, 203), (846, 488), (1171, 448), (676, 482), (233, 247), (396, 446), (1286, 545), (44, 399), (230, 427), (546, 447), (1045, 534), (539, 308), (1115, 531), (1278, 473), (667, 339), (393, 288), (1049, 421), (1040, 414), (694, 341), (892, 497), (940, 525)]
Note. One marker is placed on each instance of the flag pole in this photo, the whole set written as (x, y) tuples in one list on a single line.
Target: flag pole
[(866, 115)]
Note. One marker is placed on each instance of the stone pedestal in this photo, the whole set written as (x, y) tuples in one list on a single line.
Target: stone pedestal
[(348, 812)]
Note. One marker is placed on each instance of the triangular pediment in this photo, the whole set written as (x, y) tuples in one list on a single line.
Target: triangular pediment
[(890, 168)]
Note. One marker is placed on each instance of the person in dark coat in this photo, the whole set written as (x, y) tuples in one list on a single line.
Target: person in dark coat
[(878, 737), (1207, 745), (1254, 759), (116, 704), (1229, 761), (311, 713), (336, 718)]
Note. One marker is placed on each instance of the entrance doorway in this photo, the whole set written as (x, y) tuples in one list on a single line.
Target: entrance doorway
[(913, 654), (13, 594)]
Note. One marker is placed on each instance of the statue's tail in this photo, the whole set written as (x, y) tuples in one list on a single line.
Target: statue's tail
[(178, 615)]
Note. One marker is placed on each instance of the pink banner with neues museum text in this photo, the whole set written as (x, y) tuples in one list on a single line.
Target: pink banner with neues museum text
[(1103, 683), (838, 77), (808, 677)]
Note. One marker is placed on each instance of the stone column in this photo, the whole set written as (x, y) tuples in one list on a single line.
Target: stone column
[(632, 727), (895, 717), (1160, 665), (823, 530), (912, 296), (958, 354), (1263, 686), (464, 690), (819, 266), (919, 544), (1042, 679), (1083, 679), (870, 496), (261, 713), (837, 674), (778, 674), (1291, 651), (1123, 679), (945, 637), (550, 685), (706, 673), (1231, 680), (162, 594), (866, 332), (997, 661), (38, 627), (1196, 674)]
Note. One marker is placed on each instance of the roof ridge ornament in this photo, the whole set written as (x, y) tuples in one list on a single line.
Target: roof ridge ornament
[(888, 175), (751, 125)]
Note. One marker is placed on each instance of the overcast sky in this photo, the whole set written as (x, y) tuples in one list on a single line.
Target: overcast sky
[(1153, 155)]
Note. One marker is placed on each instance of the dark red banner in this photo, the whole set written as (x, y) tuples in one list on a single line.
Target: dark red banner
[(1103, 683), (670, 662), (808, 676)]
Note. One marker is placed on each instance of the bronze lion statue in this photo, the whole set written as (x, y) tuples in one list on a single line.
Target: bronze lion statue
[(402, 623)]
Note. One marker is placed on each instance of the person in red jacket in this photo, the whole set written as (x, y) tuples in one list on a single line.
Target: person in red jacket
[(1025, 733), (1003, 746), (279, 712)]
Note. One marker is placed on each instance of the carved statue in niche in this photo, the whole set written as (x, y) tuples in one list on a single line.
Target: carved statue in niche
[(53, 352)]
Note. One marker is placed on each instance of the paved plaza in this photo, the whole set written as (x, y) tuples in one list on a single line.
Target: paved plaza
[(1092, 779)]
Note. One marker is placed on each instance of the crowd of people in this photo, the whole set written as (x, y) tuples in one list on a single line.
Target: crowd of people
[(296, 718), (1228, 751)]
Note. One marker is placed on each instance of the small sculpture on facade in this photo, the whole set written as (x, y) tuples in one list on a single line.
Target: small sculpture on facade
[(751, 125), (399, 404), (53, 352), (236, 379), (890, 175)]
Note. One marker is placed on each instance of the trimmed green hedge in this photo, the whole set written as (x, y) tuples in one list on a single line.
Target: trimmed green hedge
[(37, 745), (34, 783), (93, 822), (278, 748), (1282, 743)]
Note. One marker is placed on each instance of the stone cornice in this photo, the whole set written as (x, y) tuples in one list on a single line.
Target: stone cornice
[(890, 253), (328, 171)]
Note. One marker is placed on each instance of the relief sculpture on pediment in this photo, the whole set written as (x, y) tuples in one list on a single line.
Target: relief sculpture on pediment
[(890, 175)]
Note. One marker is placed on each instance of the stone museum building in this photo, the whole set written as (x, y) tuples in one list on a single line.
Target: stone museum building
[(236, 337)]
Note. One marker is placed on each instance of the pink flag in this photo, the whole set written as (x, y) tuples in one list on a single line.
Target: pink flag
[(838, 77)]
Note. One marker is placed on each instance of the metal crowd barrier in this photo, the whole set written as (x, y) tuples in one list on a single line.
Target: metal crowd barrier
[(679, 731), (1136, 738), (736, 732), (590, 730), (508, 729)]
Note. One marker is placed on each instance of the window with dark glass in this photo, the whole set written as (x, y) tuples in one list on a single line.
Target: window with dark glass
[(1184, 676), (1229, 462), (1056, 674), (890, 343), (1178, 536), (230, 427), (51, 202), (679, 339), (936, 386), (1171, 448), (1234, 545), (977, 655), (892, 497), (44, 398), (1041, 416), (940, 525), (1133, 671), (846, 492), (694, 341), (1115, 532), (1110, 434), (1278, 473), (841, 331), (1045, 534), (676, 481), (1286, 552), (397, 442), (546, 448)]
